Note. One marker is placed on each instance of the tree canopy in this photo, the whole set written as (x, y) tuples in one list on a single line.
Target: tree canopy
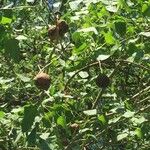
[(74, 74)]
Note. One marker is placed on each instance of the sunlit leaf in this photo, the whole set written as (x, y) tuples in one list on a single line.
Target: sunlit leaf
[(6, 20), (122, 136), (83, 74), (61, 121), (90, 29), (102, 119), (102, 57), (146, 34), (128, 114), (2, 114), (109, 38), (139, 133), (23, 78), (90, 112)]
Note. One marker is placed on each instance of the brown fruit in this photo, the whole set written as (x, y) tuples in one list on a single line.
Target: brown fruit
[(63, 27), (42, 81), (102, 81), (53, 33)]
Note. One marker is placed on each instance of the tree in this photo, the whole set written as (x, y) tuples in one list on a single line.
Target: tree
[(74, 75)]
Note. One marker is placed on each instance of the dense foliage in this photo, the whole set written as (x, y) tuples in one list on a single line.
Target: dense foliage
[(74, 75)]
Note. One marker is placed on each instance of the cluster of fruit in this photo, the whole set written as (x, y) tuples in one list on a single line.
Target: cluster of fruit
[(57, 31)]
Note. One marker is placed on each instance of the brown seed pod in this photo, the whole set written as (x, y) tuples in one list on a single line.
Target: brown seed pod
[(53, 33), (102, 81), (63, 27), (42, 81)]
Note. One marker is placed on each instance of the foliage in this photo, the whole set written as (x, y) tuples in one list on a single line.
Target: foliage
[(109, 37)]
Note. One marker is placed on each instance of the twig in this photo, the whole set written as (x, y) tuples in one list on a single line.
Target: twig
[(20, 7), (141, 92), (143, 100), (98, 97)]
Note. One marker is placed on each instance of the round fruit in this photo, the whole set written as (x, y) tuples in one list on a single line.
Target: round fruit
[(102, 81), (42, 81), (53, 33), (63, 27)]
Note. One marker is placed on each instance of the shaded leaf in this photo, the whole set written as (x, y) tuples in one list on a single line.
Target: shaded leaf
[(30, 112), (32, 137), (120, 27), (12, 49), (43, 145)]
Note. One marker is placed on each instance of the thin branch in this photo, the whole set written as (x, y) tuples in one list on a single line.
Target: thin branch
[(98, 98), (141, 92)]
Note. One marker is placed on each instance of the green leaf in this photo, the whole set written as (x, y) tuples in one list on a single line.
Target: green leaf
[(139, 133), (61, 121), (12, 49), (146, 10), (6, 20), (102, 119), (30, 112), (121, 136), (80, 49), (120, 27), (109, 39), (90, 112), (2, 114)]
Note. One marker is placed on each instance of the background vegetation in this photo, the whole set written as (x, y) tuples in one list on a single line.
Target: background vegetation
[(105, 36)]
